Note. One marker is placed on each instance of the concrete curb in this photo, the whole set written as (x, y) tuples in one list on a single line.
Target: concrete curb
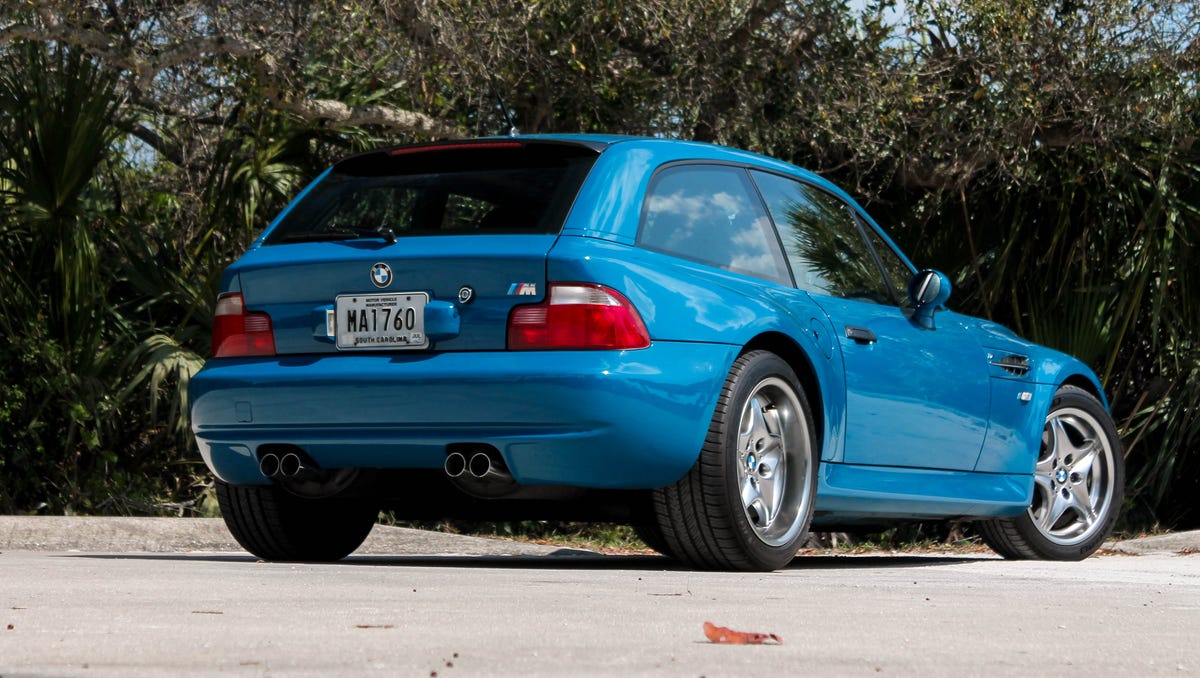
[(1176, 543), (174, 535)]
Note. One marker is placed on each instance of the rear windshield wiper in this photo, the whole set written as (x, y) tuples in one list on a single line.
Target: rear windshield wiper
[(318, 237)]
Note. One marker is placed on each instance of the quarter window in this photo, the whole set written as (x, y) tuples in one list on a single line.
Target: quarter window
[(710, 214), (823, 243)]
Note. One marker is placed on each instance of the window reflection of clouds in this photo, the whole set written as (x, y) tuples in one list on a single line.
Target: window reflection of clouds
[(731, 204), (682, 212), (698, 214), (752, 253)]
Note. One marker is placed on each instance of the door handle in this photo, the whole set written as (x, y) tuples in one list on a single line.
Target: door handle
[(860, 335)]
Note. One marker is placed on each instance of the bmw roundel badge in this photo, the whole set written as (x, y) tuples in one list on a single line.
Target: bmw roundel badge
[(381, 275)]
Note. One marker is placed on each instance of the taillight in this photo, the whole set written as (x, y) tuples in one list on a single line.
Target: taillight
[(577, 316), (237, 333)]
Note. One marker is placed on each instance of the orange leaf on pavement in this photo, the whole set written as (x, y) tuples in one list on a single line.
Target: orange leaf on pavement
[(720, 634)]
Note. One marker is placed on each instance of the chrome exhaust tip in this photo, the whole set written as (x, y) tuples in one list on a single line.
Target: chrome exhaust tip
[(290, 465), (483, 467), (269, 465), (456, 465)]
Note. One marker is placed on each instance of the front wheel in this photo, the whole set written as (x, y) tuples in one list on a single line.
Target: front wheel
[(1079, 484), (747, 502), (275, 525)]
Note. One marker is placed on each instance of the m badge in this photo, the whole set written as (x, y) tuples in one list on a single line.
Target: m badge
[(523, 290)]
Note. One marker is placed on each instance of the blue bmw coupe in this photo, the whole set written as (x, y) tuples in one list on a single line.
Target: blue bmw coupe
[(716, 347)]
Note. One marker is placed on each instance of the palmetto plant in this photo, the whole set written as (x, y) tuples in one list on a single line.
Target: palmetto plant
[(53, 298), (172, 289)]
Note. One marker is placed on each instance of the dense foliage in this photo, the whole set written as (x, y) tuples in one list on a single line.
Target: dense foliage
[(1042, 153)]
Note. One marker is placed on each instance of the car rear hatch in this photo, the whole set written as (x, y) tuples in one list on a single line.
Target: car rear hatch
[(415, 248)]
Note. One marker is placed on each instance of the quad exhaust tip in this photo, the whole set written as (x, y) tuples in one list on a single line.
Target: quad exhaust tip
[(481, 465), (289, 465), (478, 470)]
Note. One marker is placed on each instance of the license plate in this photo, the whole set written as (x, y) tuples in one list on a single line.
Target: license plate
[(380, 321)]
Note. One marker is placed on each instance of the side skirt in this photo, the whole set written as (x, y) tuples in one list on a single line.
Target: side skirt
[(849, 492)]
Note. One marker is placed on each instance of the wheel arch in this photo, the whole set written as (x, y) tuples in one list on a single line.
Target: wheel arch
[(785, 347), (1086, 383)]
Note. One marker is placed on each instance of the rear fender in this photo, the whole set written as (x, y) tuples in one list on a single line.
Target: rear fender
[(689, 302)]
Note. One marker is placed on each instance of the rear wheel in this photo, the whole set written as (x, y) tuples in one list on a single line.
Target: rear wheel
[(1078, 486), (275, 525), (747, 502), (652, 536)]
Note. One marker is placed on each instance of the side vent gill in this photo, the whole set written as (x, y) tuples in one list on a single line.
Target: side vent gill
[(1016, 365)]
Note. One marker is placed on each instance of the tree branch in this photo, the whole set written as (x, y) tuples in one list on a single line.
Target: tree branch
[(168, 149), (146, 68), (337, 114), (94, 42)]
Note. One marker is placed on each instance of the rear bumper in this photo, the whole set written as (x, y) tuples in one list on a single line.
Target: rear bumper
[(600, 419)]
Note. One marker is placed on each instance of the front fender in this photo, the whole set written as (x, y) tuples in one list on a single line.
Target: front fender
[(1021, 402)]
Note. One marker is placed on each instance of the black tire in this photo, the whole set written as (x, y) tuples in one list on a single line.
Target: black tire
[(275, 525), (719, 515), (1086, 494), (652, 536)]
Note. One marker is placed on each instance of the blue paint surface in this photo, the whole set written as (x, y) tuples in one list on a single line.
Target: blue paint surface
[(915, 424)]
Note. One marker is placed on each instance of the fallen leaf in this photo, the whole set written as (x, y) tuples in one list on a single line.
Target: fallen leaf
[(720, 634), (10, 627)]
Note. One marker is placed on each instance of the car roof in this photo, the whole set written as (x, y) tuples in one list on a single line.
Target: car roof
[(664, 149), (667, 149), (657, 151)]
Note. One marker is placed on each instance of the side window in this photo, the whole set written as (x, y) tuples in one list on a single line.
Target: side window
[(823, 243), (897, 271), (711, 215)]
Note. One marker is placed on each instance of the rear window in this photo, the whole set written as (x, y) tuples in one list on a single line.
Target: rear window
[(491, 187)]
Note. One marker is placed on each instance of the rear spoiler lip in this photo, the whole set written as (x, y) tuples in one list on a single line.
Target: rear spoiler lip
[(592, 144)]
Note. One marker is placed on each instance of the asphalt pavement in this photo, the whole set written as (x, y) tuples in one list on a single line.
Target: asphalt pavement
[(157, 597), (204, 614)]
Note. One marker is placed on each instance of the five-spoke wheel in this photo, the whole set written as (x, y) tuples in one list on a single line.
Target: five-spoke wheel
[(1074, 477), (772, 430)]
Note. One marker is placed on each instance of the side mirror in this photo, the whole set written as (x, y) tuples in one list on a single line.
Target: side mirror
[(927, 290)]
